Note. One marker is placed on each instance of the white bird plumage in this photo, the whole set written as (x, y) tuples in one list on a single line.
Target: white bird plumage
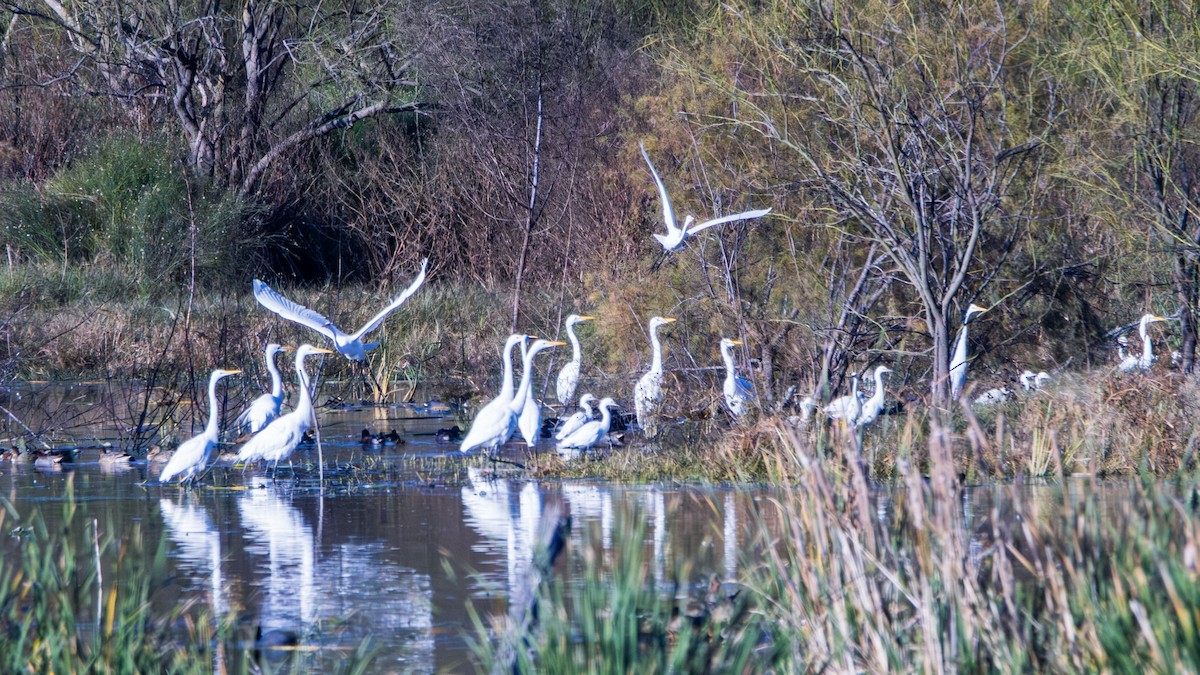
[(874, 405), (738, 391), (577, 420), (1133, 362), (529, 418), (994, 396), (648, 391), (591, 432), (676, 235), (193, 454), (494, 412), (958, 363), (568, 377), (495, 424), (349, 345), (1031, 381), (265, 408), (278, 440), (848, 407)]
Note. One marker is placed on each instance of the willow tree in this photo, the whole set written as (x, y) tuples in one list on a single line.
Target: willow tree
[(901, 124)]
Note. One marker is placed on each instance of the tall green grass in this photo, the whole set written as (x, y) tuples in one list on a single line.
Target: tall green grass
[(1065, 579)]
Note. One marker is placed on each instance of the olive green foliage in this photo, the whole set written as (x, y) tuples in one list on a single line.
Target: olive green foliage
[(126, 207)]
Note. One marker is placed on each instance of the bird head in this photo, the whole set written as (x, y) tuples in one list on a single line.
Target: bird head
[(579, 318), (660, 321), (972, 310), (586, 398), (883, 369), (221, 372)]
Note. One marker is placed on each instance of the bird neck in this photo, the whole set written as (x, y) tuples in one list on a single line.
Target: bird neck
[(526, 381), (213, 412), (276, 378), (656, 346), (305, 400), (878, 393), (727, 355), (605, 417), (1147, 346), (576, 352), (506, 388), (587, 408)]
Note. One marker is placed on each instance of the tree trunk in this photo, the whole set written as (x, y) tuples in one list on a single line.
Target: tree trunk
[(1185, 295), (941, 362), (532, 218)]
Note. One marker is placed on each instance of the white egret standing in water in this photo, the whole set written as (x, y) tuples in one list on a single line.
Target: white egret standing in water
[(493, 426), (958, 363), (278, 440), (675, 235), (349, 345), (568, 377), (495, 412), (265, 408), (193, 454), (738, 390), (579, 419), (529, 418), (648, 392)]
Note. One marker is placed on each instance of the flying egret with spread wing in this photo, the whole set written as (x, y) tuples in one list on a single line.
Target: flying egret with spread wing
[(349, 345), (675, 235)]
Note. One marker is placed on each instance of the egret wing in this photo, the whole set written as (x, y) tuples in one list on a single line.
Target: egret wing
[(744, 387), (758, 213), (292, 311), (396, 302), (668, 212)]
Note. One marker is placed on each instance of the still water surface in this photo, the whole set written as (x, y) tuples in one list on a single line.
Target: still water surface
[(397, 544)]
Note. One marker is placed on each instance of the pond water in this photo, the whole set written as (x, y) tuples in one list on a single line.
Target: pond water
[(398, 542), (396, 545)]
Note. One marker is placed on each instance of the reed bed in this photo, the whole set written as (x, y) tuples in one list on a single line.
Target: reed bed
[(845, 577)]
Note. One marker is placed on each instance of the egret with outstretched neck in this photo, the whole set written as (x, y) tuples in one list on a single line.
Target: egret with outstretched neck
[(737, 390), (1147, 358), (592, 432), (648, 392), (349, 345), (495, 412), (193, 454), (958, 363), (874, 405), (265, 408), (568, 377), (494, 429), (279, 439)]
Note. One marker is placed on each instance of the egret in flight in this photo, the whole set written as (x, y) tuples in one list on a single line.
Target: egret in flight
[(265, 408), (494, 424), (738, 390), (568, 377), (580, 418), (193, 454), (592, 432), (1133, 362), (648, 392), (278, 440), (675, 235), (958, 363), (349, 345)]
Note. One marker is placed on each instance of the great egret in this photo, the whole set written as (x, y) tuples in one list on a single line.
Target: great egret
[(675, 235), (529, 418), (568, 377), (278, 440), (874, 405), (495, 424), (265, 408), (1147, 359), (648, 391), (496, 409), (351, 346), (578, 419), (193, 454), (591, 432), (958, 363), (848, 407), (737, 390)]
